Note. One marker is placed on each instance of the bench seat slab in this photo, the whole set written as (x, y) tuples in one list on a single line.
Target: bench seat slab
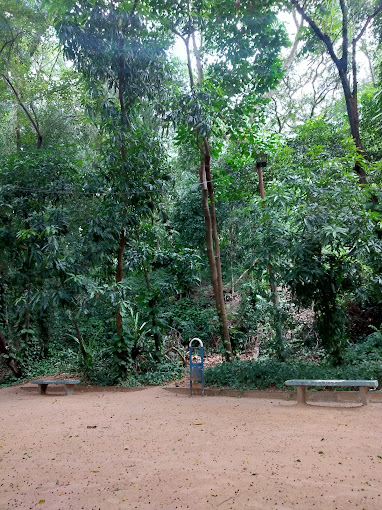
[(69, 385), (332, 382), (302, 384)]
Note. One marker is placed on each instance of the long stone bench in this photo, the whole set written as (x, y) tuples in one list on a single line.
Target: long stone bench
[(68, 383), (302, 384)]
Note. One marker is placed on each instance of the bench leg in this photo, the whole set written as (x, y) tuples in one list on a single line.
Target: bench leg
[(364, 394), (69, 389), (42, 388), (301, 394)]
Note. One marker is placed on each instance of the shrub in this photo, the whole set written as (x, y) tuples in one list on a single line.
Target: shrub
[(268, 373)]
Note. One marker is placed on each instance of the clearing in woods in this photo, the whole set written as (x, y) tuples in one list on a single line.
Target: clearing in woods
[(153, 449)]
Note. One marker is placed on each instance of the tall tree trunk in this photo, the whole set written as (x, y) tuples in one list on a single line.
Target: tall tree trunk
[(11, 362), (352, 112), (217, 259), (119, 276), (85, 355), (122, 239), (209, 236), (208, 206), (214, 255), (271, 274)]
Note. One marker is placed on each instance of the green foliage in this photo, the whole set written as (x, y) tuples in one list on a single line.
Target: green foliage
[(370, 123), (57, 362), (315, 231), (122, 131), (368, 350), (126, 347), (151, 374), (191, 318), (270, 373)]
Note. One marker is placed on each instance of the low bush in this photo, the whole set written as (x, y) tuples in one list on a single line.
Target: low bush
[(370, 349), (271, 373), (153, 374)]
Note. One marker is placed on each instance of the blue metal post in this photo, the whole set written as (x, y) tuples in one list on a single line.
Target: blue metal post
[(196, 369)]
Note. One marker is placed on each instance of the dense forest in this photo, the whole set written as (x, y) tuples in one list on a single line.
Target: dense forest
[(172, 169)]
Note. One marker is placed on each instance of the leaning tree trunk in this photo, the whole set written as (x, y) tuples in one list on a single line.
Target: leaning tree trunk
[(208, 204), (33, 121), (219, 299), (352, 112), (214, 256)]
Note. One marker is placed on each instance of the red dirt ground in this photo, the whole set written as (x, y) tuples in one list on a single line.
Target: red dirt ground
[(153, 449)]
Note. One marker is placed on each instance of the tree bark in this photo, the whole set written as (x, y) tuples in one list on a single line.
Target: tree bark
[(84, 353), (209, 237), (214, 255), (217, 259), (119, 276), (11, 362)]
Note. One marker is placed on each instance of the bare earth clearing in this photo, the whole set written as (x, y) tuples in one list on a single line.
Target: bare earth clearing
[(152, 449)]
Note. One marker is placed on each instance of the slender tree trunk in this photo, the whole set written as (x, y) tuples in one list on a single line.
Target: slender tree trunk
[(119, 276), (84, 353), (33, 121), (214, 256), (208, 232), (11, 362), (217, 259), (352, 112), (271, 274), (122, 239), (208, 206)]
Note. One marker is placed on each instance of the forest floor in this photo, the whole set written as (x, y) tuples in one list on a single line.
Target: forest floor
[(153, 449)]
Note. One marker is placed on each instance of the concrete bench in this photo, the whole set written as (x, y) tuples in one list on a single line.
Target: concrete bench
[(68, 383), (301, 385)]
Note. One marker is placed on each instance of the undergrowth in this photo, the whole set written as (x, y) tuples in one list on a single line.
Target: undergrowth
[(270, 373)]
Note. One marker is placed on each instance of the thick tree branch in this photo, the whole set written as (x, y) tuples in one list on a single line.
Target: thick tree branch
[(354, 69), (199, 66), (377, 10), (32, 121), (345, 36), (292, 54), (319, 33), (189, 63)]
